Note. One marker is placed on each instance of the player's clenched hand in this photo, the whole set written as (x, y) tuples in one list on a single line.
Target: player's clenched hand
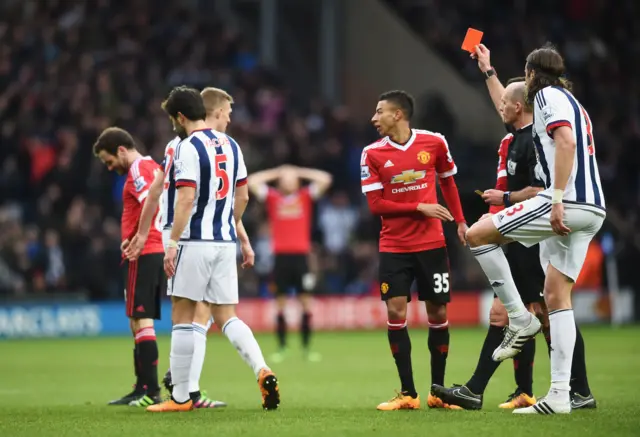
[(170, 261), (493, 197), (248, 255), (557, 214), (483, 55), (462, 233), (124, 245), (135, 247), (435, 210)]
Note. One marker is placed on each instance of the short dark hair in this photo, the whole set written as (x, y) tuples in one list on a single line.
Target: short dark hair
[(516, 79), (111, 138), (186, 101), (401, 99)]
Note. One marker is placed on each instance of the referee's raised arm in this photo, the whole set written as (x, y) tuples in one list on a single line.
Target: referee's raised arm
[(496, 90)]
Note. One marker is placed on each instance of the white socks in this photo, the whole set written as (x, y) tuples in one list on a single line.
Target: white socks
[(495, 266), (180, 360), (199, 351), (563, 340), (241, 337)]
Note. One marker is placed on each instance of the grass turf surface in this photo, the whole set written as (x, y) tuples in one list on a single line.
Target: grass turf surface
[(60, 388)]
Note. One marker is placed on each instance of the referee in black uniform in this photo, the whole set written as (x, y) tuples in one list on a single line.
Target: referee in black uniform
[(516, 182)]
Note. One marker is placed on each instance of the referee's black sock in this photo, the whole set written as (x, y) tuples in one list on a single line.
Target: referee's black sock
[(486, 367), (305, 329), (148, 355), (523, 367), (579, 381), (400, 344), (281, 330), (439, 348)]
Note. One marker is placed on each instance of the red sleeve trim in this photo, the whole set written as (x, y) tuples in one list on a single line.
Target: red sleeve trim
[(186, 183), (241, 182), (555, 125)]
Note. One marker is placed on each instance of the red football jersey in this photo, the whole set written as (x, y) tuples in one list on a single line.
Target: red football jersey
[(501, 177), (290, 219), (407, 174), (135, 191)]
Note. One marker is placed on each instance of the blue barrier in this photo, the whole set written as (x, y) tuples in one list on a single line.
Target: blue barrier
[(71, 320)]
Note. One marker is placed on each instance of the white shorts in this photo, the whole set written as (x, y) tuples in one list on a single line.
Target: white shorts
[(528, 223), (206, 272)]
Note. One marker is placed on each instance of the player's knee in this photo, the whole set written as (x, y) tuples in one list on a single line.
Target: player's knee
[(138, 324), (498, 314), (222, 314), (436, 313), (475, 236), (203, 313), (397, 308)]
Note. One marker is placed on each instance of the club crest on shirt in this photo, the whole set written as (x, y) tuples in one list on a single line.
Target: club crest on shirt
[(424, 157), (384, 287), (139, 183)]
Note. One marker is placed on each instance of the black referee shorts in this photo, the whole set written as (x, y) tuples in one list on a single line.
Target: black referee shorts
[(144, 285)]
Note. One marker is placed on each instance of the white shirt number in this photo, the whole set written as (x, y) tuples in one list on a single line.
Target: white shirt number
[(441, 283)]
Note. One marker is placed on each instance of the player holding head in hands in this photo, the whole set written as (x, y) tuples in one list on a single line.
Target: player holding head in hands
[(516, 181), (217, 104), (563, 218), (211, 196), (143, 278), (398, 175), (290, 211)]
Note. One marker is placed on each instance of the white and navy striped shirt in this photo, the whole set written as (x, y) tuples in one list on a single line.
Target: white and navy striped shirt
[(212, 163), (168, 198), (554, 107)]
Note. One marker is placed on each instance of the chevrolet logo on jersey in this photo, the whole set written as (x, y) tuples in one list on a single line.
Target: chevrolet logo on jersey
[(408, 177)]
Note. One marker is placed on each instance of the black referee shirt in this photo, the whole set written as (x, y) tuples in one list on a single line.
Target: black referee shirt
[(521, 160)]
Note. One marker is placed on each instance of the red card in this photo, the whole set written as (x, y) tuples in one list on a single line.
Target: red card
[(471, 40)]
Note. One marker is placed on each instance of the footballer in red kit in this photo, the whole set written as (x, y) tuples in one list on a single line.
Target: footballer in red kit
[(144, 278), (289, 209), (398, 175)]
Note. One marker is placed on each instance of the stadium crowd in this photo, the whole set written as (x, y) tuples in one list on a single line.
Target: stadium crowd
[(68, 69)]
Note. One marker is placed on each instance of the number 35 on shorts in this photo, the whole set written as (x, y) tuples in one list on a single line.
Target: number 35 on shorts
[(440, 283)]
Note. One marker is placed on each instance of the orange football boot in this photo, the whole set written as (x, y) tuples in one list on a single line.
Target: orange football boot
[(518, 400), (436, 402), (268, 384), (170, 406), (400, 402)]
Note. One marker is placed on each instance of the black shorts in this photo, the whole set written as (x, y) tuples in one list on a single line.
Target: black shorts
[(144, 285), (289, 271), (526, 270), (429, 268)]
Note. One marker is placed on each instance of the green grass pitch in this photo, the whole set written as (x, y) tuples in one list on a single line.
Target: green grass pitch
[(60, 388)]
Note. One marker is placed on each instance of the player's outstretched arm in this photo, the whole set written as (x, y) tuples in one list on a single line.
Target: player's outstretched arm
[(257, 182), (496, 90), (321, 180), (149, 208)]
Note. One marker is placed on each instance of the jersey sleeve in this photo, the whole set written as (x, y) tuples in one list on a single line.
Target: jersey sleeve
[(369, 177), (241, 178), (554, 108), (186, 165), (445, 167), (141, 176)]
